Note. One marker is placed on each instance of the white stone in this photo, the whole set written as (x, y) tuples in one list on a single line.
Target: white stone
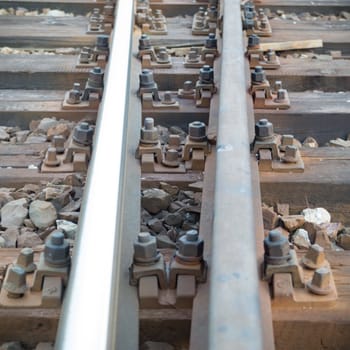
[(43, 214), (67, 227), (2, 242), (4, 135), (47, 123), (316, 216), (301, 238), (13, 213)]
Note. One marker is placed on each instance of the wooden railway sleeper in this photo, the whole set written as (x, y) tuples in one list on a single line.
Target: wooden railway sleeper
[(309, 281), (31, 285), (275, 152)]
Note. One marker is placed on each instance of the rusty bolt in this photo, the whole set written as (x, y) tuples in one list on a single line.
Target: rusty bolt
[(263, 129), (197, 131), (95, 79), (145, 249), (145, 42), (291, 154), (168, 98), (253, 40), (83, 134), (56, 252), (258, 76), (206, 75), (193, 56), (321, 282), (171, 158), (149, 133), (102, 42), (211, 42), (15, 283), (146, 78), (190, 247), (212, 13), (51, 159), (58, 143), (271, 56), (277, 251), (174, 141), (85, 55), (75, 93), (281, 95), (163, 55), (25, 260), (314, 258), (278, 85)]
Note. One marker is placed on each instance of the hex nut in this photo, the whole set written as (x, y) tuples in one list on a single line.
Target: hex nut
[(102, 42), (146, 78), (258, 76), (263, 129), (253, 40), (145, 249), (95, 79), (145, 42), (197, 131), (277, 250), (206, 75), (56, 252), (74, 96), (83, 134), (190, 247), (149, 133), (211, 42)]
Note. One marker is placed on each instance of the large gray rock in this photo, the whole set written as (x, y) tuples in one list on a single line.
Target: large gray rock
[(68, 228), (11, 235), (28, 238), (154, 200), (316, 216), (13, 213), (43, 214)]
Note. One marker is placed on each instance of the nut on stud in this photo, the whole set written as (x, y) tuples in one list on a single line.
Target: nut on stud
[(95, 79), (206, 75), (145, 42), (190, 247), (51, 159), (149, 133), (321, 282), (258, 75), (171, 158), (146, 78), (58, 143), (145, 249), (277, 250), (56, 252), (263, 130), (253, 41), (83, 134), (211, 42), (197, 131)]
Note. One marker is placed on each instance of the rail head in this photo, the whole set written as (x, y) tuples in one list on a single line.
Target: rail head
[(86, 313)]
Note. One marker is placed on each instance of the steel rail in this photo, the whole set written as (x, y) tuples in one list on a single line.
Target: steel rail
[(235, 319), (89, 304)]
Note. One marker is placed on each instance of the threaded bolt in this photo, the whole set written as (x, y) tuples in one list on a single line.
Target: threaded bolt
[(315, 257), (188, 86), (253, 40), (102, 42), (206, 75), (146, 78), (74, 94), (211, 42), (163, 55), (193, 56), (168, 98), (171, 158), (278, 85), (281, 95), (145, 42), (149, 134)]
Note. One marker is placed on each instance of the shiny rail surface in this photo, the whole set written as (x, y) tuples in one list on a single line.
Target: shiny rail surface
[(91, 316), (87, 308)]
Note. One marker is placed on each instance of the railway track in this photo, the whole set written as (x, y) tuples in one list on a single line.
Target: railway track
[(198, 166)]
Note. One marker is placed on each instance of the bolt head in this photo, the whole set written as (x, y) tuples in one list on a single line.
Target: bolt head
[(277, 250), (320, 283), (146, 78), (206, 74), (149, 133), (145, 42), (102, 41), (197, 131), (15, 283), (211, 42), (253, 40)]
